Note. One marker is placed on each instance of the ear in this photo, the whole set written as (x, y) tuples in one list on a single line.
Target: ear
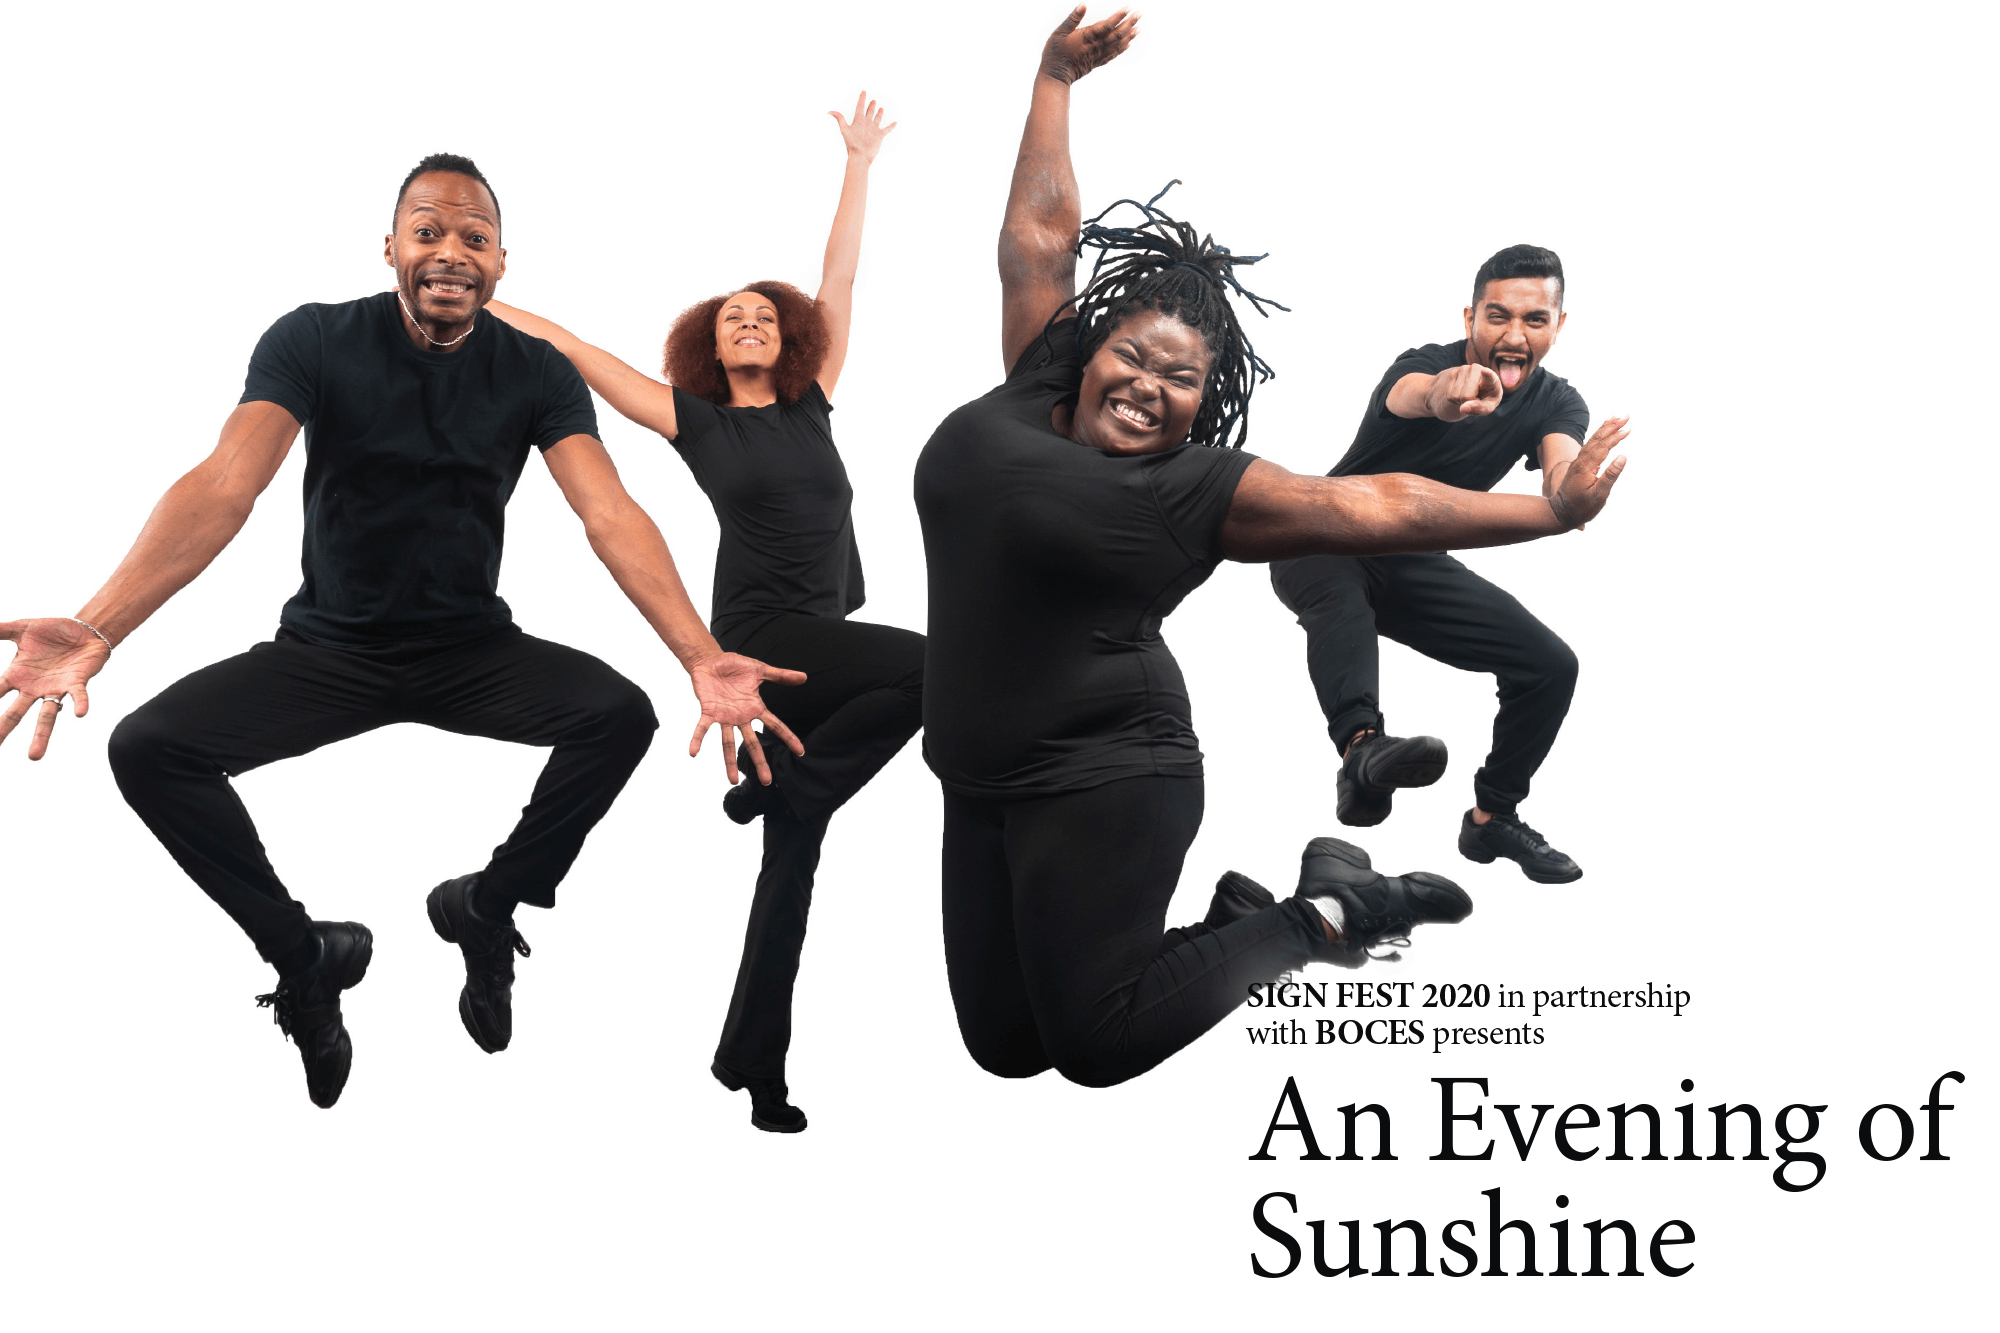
[(1468, 323), (1561, 316), (503, 265), (389, 250)]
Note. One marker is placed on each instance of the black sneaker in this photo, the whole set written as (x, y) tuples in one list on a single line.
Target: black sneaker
[(486, 1001), (1380, 909), (750, 798), (1375, 766), (306, 1006), (770, 1110), (1236, 896), (1505, 835)]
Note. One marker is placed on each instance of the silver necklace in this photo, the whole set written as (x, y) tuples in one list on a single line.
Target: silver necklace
[(427, 337)]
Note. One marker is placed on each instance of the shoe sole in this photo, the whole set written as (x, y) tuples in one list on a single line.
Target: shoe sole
[(1359, 813), (434, 908), (355, 972), (1440, 891), (770, 1128), (1419, 767), (1486, 858)]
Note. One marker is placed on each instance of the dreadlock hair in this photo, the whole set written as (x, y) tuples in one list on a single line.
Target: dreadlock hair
[(1160, 265), (689, 357), (452, 162), (1519, 261)]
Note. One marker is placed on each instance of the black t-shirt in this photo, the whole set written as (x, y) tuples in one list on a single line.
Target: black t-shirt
[(1052, 565), (411, 456), (782, 501), (1473, 454)]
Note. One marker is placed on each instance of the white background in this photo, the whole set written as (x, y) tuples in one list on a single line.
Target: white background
[(1776, 772)]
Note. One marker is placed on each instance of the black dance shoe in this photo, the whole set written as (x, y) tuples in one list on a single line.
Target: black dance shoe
[(486, 1001), (1379, 909), (1375, 766), (306, 1006), (769, 1109), (1506, 835), (1236, 896), (749, 798)]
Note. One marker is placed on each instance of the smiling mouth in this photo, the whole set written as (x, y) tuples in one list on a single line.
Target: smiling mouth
[(749, 342), (446, 289), (1133, 415)]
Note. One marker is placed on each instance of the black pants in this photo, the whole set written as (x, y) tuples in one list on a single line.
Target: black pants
[(862, 701), (1055, 932), (173, 758), (1433, 604)]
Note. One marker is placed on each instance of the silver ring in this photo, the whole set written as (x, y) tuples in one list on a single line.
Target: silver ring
[(56, 699)]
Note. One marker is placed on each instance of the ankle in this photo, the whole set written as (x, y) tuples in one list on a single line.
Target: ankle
[(1480, 816), (299, 957), (1355, 739)]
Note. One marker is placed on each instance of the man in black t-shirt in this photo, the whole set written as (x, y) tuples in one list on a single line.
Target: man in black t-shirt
[(419, 411), (1462, 414)]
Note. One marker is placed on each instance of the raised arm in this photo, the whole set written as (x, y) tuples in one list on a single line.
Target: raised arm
[(629, 543), (1038, 234), (1278, 515), (198, 516), (638, 398), (863, 136)]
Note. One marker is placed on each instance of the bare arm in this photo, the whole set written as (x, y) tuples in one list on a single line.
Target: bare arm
[(638, 398), (1038, 233), (629, 543), (1278, 515), (198, 516), (1450, 395), (1557, 452), (863, 136)]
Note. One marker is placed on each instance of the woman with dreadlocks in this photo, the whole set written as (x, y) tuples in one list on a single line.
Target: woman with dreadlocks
[(747, 409), (1065, 514)]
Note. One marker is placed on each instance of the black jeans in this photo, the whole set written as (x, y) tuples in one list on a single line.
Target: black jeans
[(1433, 604), (862, 701), (173, 758), (1055, 932)]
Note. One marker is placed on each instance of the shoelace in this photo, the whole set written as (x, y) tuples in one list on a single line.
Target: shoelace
[(283, 1010), (1536, 842)]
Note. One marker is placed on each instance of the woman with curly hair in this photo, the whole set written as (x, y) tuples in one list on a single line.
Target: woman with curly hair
[(1065, 514), (750, 375)]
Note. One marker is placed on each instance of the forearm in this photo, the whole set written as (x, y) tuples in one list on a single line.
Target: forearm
[(1042, 200), (198, 516), (631, 547), (638, 398), (1410, 396), (1552, 477), (843, 242), (1380, 515)]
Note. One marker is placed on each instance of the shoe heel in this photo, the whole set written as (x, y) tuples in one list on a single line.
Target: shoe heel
[(364, 953), (1479, 854), (725, 1078), (434, 908)]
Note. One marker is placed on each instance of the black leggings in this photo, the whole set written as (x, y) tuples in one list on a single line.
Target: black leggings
[(174, 756), (862, 701), (1055, 933), (1433, 604)]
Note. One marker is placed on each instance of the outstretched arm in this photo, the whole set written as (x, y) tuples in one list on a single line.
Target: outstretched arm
[(863, 136), (1038, 234), (629, 543), (198, 516), (640, 399), (1278, 515)]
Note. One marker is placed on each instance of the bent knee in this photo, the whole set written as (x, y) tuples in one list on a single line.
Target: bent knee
[(1003, 1057), (139, 744), (622, 708)]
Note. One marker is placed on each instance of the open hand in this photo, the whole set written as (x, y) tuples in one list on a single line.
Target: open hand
[(53, 657), (1464, 391), (727, 685), (1072, 53), (865, 133), (1584, 489)]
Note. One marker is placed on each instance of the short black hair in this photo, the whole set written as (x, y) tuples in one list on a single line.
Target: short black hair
[(1519, 261), (1164, 265), (452, 162)]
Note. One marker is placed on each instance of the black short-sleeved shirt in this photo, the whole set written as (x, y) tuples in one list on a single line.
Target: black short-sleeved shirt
[(782, 501), (1473, 454), (411, 456), (1052, 565)]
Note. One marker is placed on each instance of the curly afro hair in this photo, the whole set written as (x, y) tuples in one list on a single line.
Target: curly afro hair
[(690, 351)]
